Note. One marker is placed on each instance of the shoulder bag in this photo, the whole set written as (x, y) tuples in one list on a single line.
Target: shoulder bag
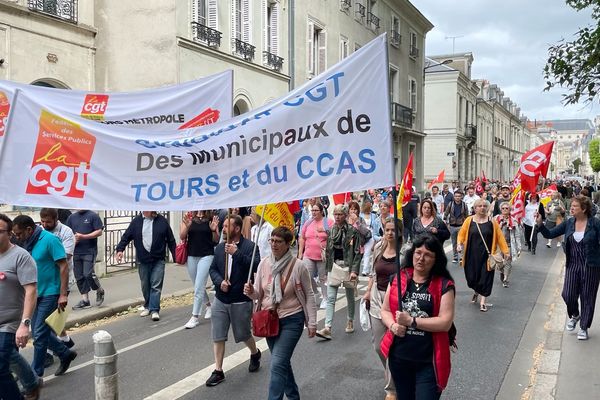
[(496, 260), (265, 323), (181, 252)]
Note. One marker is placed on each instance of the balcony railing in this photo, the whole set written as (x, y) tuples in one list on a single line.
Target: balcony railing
[(204, 34), (395, 38), (345, 4), (402, 115), (414, 51), (243, 49), (63, 9), (360, 10), (471, 132), (373, 20), (272, 61)]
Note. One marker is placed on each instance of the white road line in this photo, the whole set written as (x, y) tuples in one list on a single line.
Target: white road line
[(133, 346), (198, 379)]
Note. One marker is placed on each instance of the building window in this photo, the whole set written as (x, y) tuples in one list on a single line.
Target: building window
[(344, 47), (241, 29), (271, 57), (395, 37), (204, 22), (63, 9), (413, 49), (316, 49), (412, 94), (393, 84)]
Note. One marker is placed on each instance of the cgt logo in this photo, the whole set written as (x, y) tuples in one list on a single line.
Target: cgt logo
[(94, 106), (62, 159)]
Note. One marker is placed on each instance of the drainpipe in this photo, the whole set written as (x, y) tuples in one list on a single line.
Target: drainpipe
[(291, 46)]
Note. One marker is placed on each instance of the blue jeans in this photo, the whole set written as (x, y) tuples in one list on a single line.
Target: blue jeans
[(22, 369), (282, 348), (331, 299), (198, 268), (43, 337), (152, 276), (8, 387), (413, 380)]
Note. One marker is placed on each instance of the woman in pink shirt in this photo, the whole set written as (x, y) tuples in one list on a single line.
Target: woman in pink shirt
[(282, 282), (313, 238)]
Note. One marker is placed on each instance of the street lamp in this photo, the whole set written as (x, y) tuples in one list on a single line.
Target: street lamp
[(430, 65)]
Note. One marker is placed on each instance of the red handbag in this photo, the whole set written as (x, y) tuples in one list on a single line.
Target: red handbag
[(181, 253), (265, 323)]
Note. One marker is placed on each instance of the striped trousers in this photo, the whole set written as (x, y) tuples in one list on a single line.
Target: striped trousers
[(581, 285)]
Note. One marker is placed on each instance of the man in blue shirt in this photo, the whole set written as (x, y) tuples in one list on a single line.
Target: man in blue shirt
[(52, 286), (87, 227)]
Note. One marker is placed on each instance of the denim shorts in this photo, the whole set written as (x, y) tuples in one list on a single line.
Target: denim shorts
[(237, 315)]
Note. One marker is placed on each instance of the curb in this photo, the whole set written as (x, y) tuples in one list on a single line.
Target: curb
[(117, 307)]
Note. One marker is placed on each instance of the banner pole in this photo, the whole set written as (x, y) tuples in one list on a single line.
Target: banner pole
[(393, 174), (227, 242), (260, 224)]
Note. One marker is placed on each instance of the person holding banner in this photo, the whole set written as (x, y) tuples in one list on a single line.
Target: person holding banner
[(231, 268), (582, 268), (342, 261), (296, 308), (201, 231), (383, 268), (532, 208), (372, 223), (480, 237), (555, 214), (417, 343), (313, 239)]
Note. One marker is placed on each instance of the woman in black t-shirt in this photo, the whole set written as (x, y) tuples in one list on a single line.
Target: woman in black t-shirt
[(201, 230), (417, 343)]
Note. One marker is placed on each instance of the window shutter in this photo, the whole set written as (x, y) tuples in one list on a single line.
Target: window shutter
[(265, 14), (322, 51), (275, 29), (310, 52), (246, 22), (194, 10), (213, 15), (234, 19)]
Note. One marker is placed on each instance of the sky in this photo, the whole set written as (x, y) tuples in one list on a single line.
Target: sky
[(509, 40)]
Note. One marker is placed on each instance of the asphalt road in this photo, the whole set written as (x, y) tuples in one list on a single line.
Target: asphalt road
[(161, 360)]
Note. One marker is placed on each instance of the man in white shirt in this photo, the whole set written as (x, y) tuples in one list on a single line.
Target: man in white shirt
[(438, 199), (470, 199), (261, 238)]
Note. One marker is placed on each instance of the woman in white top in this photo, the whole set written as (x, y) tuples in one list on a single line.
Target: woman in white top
[(532, 209)]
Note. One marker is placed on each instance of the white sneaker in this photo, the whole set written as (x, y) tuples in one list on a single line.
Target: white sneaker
[(155, 316), (582, 334), (323, 305), (141, 308), (558, 244), (192, 323), (145, 313), (207, 313)]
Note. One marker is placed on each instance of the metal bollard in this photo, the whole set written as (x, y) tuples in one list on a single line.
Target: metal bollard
[(106, 380)]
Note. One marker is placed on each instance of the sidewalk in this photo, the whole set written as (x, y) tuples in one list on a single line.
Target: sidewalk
[(123, 291), (559, 367)]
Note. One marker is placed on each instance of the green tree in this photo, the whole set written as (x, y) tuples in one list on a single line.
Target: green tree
[(575, 65), (576, 164), (594, 152)]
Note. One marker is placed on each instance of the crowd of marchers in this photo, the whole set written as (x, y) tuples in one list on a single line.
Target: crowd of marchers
[(408, 305)]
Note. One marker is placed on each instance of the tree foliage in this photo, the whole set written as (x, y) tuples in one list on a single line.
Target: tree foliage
[(594, 152), (575, 65), (576, 164)]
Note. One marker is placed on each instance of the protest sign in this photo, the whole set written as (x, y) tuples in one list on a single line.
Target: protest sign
[(330, 135)]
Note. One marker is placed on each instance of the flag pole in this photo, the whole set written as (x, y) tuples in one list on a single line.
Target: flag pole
[(260, 224)]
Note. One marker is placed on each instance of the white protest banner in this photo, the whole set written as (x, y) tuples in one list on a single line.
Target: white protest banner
[(330, 135), (190, 104)]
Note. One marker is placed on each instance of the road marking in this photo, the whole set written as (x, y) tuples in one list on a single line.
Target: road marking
[(198, 379), (123, 350)]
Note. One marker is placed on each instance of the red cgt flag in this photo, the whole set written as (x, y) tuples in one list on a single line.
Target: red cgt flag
[(439, 179), (341, 198), (405, 192), (534, 164)]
